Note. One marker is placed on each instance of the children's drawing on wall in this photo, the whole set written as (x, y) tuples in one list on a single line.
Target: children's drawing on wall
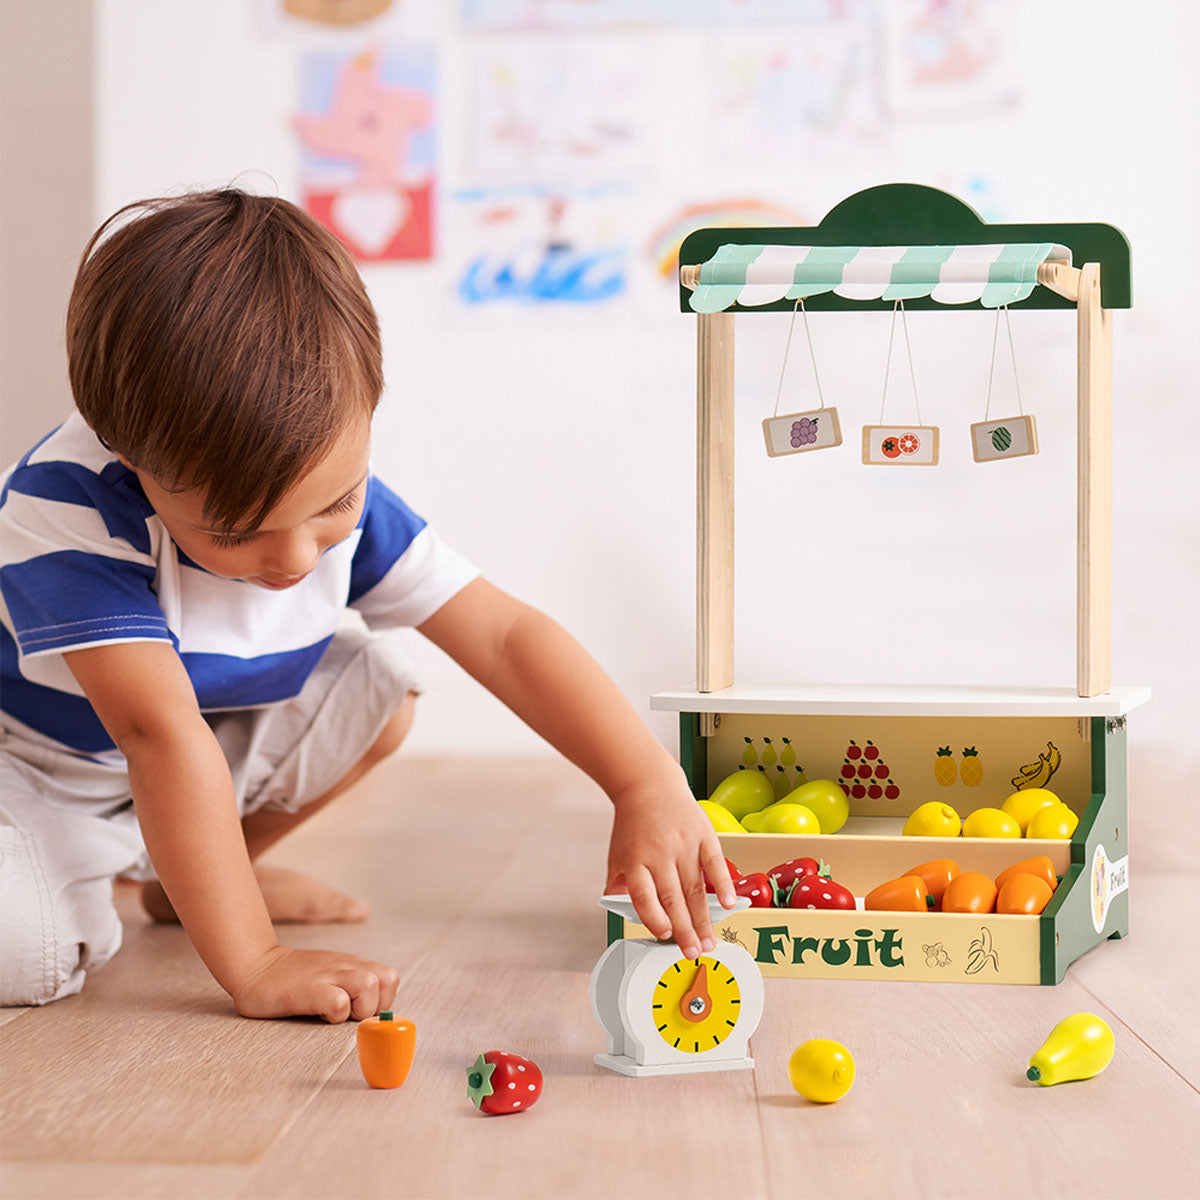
[(341, 24), (567, 109), (540, 245), (366, 124), (951, 56), (569, 14), (814, 90)]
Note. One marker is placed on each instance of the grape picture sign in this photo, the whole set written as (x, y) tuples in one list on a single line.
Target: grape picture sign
[(817, 429)]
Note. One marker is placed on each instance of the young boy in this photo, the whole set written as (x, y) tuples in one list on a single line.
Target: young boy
[(180, 684)]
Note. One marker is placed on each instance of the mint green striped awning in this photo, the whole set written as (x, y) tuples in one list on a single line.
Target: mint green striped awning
[(990, 275)]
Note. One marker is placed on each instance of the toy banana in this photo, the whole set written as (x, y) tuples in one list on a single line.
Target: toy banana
[(1078, 1047)]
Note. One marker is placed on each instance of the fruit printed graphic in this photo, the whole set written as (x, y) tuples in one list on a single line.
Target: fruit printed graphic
[(981, 952), (804, 431), (945, 769), (971, 771), (1038, 773), (1001, 438), (864, 774)]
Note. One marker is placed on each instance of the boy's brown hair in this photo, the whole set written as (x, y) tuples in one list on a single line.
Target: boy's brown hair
[(221, 341)]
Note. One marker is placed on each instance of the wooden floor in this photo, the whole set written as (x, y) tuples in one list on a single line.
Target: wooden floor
[(484, 878)]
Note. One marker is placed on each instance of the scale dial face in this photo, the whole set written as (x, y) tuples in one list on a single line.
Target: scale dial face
[(696, 1004)]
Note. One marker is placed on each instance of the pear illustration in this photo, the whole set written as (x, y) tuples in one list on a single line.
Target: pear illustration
[(768, 755), (788, 757), (749, 755), (1078, 1047)]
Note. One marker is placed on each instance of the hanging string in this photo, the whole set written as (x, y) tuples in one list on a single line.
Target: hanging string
[(887, 370), (811, 353), (1012, 350)]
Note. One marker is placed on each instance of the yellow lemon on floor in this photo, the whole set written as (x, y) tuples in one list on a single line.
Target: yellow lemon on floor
[(723, 821), (821, 1070), (788, 818), (933, 819), (1022, 805), (990, 822), (1053, 821)]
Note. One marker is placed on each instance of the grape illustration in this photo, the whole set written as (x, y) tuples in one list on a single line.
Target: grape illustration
[(803, 432)]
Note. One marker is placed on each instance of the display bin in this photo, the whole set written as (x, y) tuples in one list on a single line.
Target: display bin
[(815, 730), (907, 244)]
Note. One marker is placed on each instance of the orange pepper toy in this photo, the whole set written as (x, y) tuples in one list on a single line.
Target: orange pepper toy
[(385, 1049), (937, 875), (906, 894), (970, 892)]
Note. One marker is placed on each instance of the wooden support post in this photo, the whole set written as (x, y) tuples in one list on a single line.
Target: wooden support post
[(714, 502), (1094, 551)]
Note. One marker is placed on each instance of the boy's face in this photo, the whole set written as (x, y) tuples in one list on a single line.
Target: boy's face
[(321, 510)]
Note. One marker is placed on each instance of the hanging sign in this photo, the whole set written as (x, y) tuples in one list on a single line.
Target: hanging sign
[(900, 445), (1010, 438), (817, 429)]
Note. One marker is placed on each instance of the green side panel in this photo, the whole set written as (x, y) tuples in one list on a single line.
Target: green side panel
[(910, 214), (1105, 821), (693, 754), (616, 928)]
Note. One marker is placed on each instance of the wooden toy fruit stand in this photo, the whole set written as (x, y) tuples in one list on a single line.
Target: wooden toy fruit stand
[(897, 745)]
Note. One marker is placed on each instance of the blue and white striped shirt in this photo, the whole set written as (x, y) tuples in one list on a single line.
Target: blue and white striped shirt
[(85, 560)]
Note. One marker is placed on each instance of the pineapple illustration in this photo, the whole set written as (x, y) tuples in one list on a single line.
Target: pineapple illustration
[(971, 771), (945, 769)]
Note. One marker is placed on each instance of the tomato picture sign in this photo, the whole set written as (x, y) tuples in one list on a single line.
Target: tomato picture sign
[(900, 445)]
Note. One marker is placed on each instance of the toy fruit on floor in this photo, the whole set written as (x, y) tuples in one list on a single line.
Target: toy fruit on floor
[(499, 1082), (385, 1049), (743, 792), (969, 892), (721, 819), (1038, 865), (1024, 895), (821, 1070), (906, 894), (1053, 821), (933, 819), (784, 818), (1078, 1047), (990, 823), (936, 876), (1022, 805), (825, 800)]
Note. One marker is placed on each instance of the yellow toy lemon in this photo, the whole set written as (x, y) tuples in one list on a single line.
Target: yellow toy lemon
[(788, 818), (821, 1070), (723, 821), (743, 792), (1053, 821), (1022, 805), (990, 823), (933, 819), (1078, 1047), (825, 800)]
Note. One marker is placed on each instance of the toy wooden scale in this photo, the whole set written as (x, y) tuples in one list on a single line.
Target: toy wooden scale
[(666, 1014), (883, 247)]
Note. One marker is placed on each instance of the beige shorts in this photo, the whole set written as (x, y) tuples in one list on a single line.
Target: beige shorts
[(67, 825)]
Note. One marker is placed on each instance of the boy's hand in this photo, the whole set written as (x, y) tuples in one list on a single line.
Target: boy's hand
[(662, 844), (316, 983)]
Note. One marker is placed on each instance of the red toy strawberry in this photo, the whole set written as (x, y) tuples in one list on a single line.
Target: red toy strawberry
[(785, 877), (499, 1082), (730, 866), (757, 887), (815, 891)]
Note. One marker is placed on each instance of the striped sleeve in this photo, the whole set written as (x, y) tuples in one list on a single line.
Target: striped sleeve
[(402, 572)]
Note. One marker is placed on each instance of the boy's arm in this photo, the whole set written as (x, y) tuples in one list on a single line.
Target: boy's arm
[(185, 803), (661, 838)]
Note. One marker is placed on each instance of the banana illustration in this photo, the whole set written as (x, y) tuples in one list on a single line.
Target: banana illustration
[(980, 953), (1039, 772)]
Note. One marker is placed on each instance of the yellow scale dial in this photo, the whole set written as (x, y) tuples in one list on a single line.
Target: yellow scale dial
[(696, 1004)]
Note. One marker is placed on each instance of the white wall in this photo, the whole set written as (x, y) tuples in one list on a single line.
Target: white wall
[(557, 448)]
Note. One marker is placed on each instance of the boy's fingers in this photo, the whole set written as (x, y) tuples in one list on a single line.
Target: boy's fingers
[(697, 902), (389, 984), (718, 874), (645, 899), (676, 900), (331, 1003)]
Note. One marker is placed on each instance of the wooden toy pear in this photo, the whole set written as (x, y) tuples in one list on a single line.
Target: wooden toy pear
[(1078, 1047)]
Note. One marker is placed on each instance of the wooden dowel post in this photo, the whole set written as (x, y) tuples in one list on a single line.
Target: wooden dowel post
[(714, 502), (1094, 551)]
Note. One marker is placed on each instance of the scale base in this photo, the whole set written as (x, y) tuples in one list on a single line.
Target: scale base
[(623, 1065)]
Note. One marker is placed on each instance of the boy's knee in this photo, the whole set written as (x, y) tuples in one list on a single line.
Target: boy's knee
[(394, 731)]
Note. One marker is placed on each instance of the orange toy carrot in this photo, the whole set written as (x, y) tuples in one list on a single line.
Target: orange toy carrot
[(937, 875), (906, 894), (385, 1049), (1039, 865)]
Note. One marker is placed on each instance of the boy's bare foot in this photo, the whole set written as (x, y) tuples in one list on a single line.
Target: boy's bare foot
[(291, 898)]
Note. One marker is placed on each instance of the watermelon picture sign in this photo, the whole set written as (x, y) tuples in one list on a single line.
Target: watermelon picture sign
[(1011, 437)]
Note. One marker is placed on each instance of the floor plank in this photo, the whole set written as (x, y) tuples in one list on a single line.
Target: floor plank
[(483, 878)]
